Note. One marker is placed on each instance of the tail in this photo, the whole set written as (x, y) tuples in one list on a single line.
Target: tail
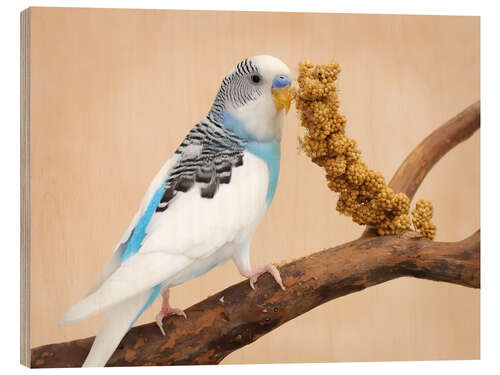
[(117, 322)]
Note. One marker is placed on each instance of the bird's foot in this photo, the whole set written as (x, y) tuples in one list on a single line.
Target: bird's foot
[(166, 312), (259, 270)]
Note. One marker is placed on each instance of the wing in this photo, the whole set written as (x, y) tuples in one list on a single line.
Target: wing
[(213, 195), (116, 259)]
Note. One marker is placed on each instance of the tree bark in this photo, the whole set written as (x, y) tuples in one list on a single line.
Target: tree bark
[(238, 315)]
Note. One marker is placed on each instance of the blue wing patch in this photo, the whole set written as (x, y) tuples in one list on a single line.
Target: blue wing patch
[(139, 233), (134, 243)]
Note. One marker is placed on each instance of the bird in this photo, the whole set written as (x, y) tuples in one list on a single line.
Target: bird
[(201, 209)]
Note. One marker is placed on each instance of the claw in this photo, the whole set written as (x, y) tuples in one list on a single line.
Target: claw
[(182, 313), (269, 268), (159, 322), (166, 311)]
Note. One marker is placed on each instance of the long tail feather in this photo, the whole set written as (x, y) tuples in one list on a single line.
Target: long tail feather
[(115, 325)]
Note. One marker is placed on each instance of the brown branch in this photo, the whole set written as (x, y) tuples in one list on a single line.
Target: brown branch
[(412, 172), (238, 315)]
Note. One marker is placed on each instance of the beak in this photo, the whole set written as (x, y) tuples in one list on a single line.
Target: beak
[(282, 98)]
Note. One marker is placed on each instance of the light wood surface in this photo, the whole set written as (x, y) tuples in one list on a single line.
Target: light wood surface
[(113, 92)]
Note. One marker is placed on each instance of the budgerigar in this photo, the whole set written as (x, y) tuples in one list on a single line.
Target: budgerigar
[(201, 209)]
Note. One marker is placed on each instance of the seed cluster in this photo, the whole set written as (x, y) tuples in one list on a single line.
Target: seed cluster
[(364, 194), (421, 217)]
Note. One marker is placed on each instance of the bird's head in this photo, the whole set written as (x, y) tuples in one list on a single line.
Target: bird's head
[(253, 98)]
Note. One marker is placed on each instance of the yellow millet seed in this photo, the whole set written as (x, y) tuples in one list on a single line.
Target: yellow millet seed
[(314, 148), (336, 166), (357, 172), (400, 204), (421, 217), (374, 182), (385, 197), (349, 204), (364, 194), (352, 153), (337, 144), (428, 230), (424, 209), (337, 184), (402, 222), (366, 215)]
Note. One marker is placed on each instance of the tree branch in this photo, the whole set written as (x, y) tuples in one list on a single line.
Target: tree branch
[(413, 170), (238, 315)]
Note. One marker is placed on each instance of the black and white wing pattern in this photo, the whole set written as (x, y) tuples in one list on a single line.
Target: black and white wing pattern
[(207, 156)]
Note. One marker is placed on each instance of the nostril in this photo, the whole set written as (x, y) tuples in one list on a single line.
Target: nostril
[(281, 81)]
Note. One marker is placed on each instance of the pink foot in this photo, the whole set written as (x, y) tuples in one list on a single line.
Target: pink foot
[(166, 311), (259, 270)]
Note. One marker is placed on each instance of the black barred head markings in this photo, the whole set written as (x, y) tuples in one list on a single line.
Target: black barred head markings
[(237, 89)]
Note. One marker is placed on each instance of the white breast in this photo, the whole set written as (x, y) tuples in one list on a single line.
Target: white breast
[(197, 227), (210, 230)]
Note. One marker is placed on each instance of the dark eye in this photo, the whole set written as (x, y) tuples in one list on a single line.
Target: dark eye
[(255, 78)]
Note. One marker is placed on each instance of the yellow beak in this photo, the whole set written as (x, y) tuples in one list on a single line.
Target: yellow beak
[(282, 98)]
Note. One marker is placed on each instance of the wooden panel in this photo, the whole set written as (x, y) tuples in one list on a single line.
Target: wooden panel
[(115, 91)]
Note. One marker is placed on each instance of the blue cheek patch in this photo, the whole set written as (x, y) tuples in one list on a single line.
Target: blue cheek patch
[(281, 82), (236, 126)]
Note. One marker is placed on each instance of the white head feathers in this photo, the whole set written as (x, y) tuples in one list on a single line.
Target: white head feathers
[(244, 103)]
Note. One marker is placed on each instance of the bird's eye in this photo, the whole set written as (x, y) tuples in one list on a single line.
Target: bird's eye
[(255, 78)]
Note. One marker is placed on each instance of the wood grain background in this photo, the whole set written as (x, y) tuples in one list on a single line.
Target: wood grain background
[(115, 91)]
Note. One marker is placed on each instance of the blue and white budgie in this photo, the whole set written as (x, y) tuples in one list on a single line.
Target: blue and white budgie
[(201, 209)]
